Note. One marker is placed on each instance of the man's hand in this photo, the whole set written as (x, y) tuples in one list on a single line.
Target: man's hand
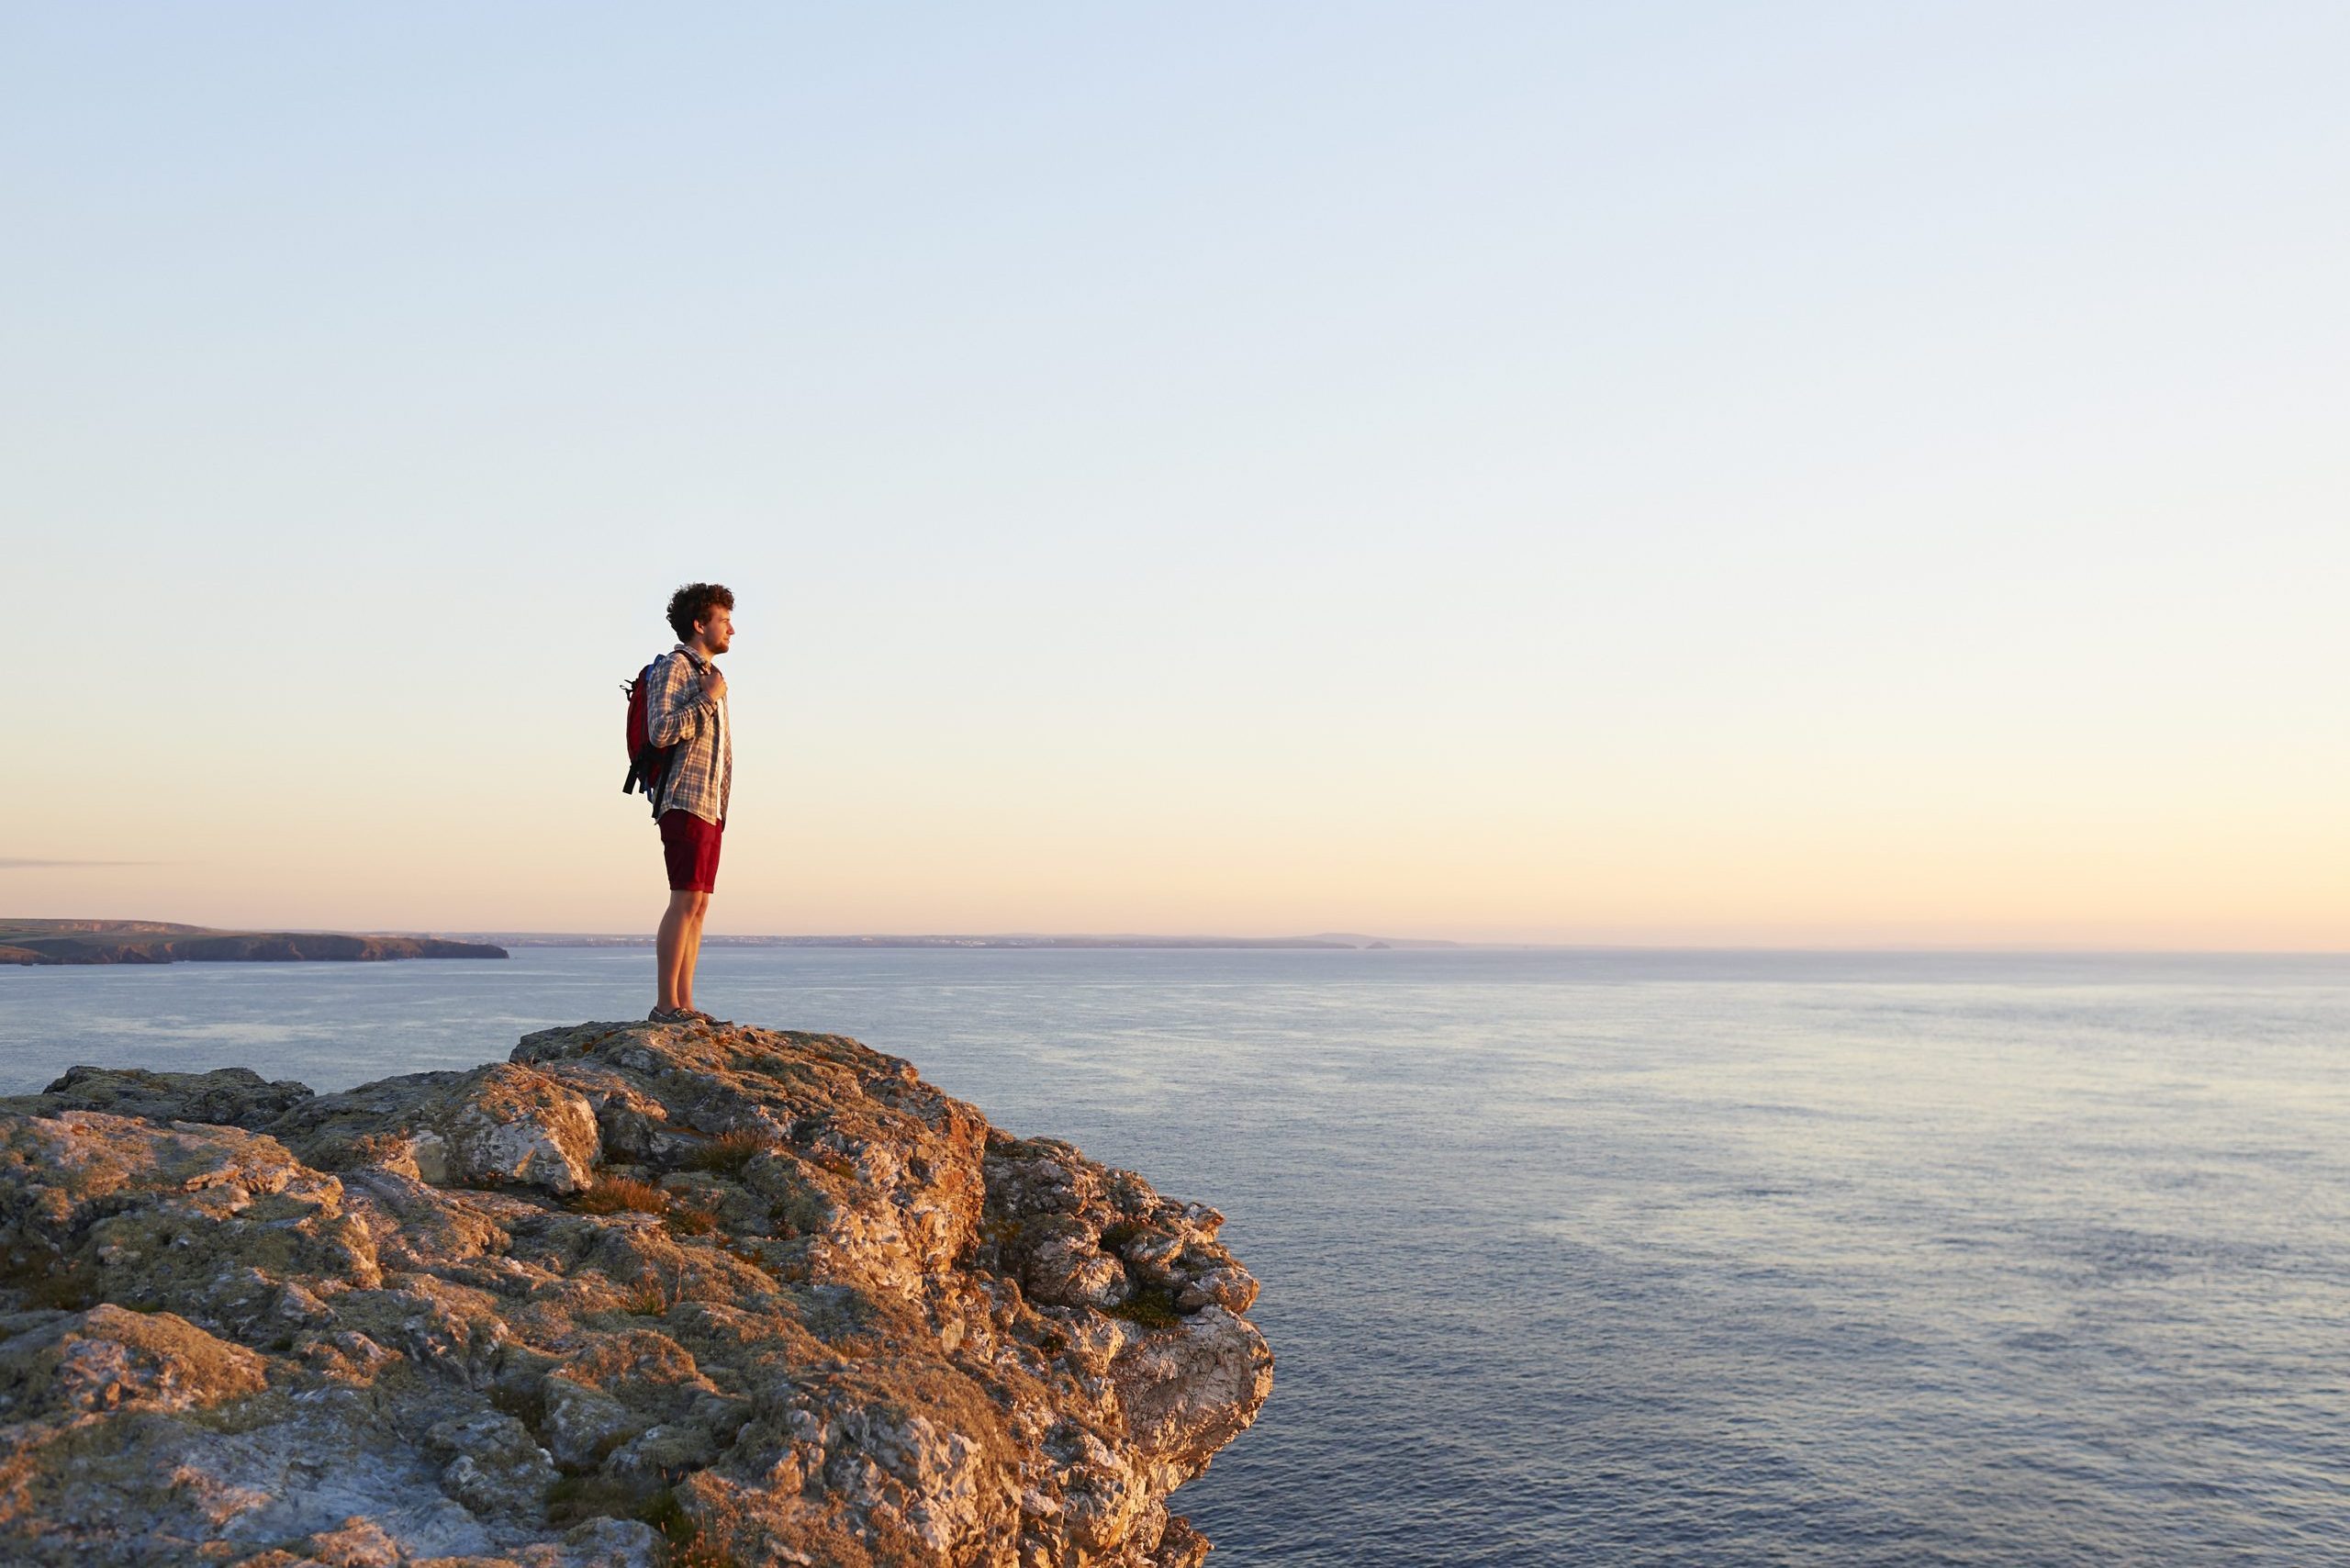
[(713, 685)]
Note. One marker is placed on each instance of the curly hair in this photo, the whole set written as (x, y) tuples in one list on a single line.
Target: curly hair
[(694, 603)]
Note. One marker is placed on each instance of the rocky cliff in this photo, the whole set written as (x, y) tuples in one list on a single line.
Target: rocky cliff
[(641, 1295)]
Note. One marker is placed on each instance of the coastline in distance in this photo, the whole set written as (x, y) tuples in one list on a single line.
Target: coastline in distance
[(161, 942)]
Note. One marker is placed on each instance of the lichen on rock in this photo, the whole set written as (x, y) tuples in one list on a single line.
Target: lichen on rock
[(641, 1295)]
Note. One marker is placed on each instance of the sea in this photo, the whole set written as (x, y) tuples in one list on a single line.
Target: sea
[(1600, 1256)]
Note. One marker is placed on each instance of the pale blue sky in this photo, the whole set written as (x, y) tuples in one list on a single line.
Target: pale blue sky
[(1804, 472)]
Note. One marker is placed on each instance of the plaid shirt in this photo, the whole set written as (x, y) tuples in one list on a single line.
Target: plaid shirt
[(677, 713)]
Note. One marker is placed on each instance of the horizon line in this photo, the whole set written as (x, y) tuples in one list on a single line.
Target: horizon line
[(1328, 940), (1420, 942)]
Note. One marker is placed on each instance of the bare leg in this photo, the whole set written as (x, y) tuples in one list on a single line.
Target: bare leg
[(689, 949), (670, 950)]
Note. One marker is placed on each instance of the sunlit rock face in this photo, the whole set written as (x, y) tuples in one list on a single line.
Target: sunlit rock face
[(641, 1296)]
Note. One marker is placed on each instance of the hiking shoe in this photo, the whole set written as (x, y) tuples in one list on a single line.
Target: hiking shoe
[(671, 1016), (699, 1016)]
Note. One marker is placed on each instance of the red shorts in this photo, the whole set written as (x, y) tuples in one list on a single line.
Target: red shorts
[(690, 847)]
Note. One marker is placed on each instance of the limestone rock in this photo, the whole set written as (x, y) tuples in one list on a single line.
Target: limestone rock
[(232, 1096), (107, 1360), (643, 1294), (205, 1221), (499, 1124)]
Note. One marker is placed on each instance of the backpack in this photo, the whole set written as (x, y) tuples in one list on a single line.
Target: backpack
[(648, 765)]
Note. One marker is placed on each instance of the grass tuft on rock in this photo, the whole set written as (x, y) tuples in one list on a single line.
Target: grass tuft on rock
[(615, 1194), (687, 1219), (682, 1544), (727, 1153)]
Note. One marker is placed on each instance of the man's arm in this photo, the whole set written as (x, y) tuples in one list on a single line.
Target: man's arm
[(676, 708)]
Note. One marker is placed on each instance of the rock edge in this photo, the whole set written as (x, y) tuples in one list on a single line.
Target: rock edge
[(639, 1295)]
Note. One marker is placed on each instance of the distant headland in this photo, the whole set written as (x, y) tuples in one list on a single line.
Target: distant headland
[(161, 942)]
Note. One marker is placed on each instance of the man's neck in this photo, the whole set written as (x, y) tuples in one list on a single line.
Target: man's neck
[(697, 647)]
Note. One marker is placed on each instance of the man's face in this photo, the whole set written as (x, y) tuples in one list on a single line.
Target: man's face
[(718, 631)]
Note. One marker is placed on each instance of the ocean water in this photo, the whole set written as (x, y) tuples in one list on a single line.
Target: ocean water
[(1602, 1258)]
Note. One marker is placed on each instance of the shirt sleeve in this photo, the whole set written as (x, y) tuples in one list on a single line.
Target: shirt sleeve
[(676, 709)]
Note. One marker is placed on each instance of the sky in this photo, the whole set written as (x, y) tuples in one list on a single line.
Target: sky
[(1787, 475)]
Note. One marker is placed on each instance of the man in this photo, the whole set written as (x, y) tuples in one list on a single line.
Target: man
[(686, 707)]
